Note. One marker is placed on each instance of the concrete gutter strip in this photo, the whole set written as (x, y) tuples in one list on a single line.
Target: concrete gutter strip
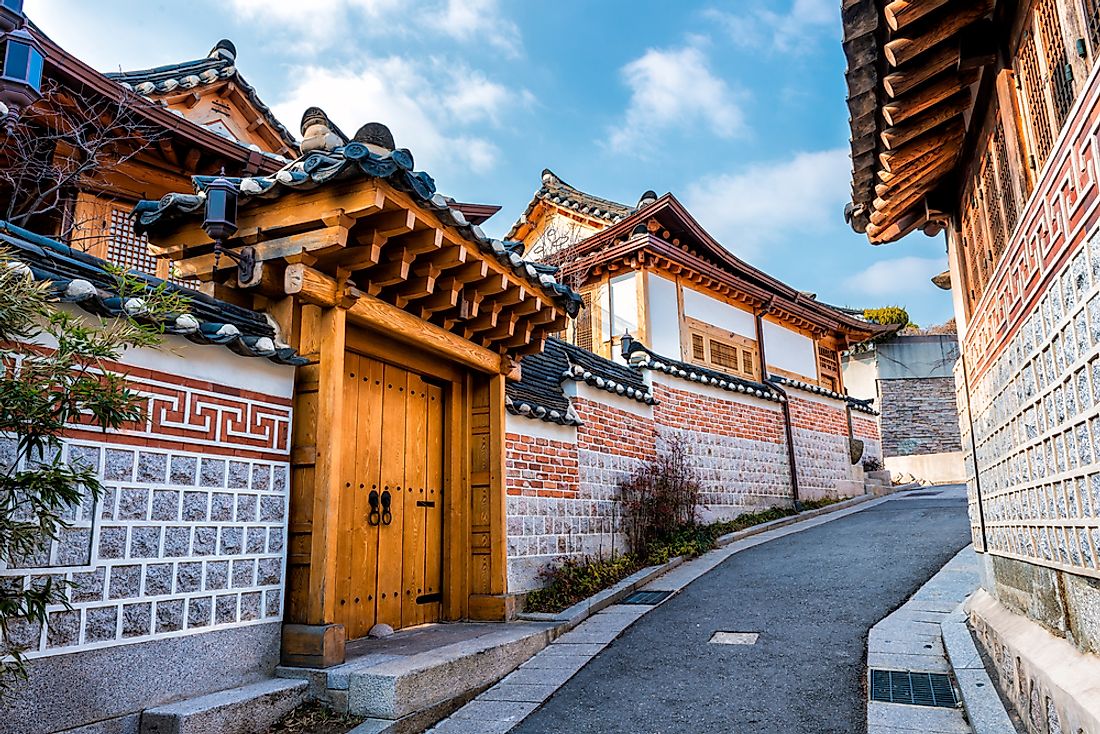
[(984, 708)]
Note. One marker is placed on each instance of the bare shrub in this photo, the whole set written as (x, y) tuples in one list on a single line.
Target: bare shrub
[(659, 498)]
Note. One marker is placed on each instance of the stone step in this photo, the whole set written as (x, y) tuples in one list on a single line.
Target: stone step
[(430, 681), (250, 709)]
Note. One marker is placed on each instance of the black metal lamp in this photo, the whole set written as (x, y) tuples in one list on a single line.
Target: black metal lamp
[(220, 223), (11, 14), (22, 58)]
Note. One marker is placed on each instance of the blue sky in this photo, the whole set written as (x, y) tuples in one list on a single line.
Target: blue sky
[(736, 107)]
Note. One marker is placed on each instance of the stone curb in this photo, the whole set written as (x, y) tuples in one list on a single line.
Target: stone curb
[(984, 709)]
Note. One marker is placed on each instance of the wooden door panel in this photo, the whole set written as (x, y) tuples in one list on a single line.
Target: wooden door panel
[(433, 513), (368, 471), (345, 570), (416, 426), (393, 459)]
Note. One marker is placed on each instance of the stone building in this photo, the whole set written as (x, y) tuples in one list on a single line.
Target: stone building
[(911, 382), (979, 119)]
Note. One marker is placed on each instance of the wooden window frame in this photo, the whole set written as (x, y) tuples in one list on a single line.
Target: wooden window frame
[(696, 329)]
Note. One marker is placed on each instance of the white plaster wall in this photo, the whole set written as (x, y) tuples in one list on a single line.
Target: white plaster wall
[(712, 311), (664, 317), (539, 428), (861, 376), (603, 303), (624, 304), (945, 468), (788, 350)]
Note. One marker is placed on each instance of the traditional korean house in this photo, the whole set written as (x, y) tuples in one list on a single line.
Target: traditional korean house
[(679, 340), (979, 119), (142, 134)]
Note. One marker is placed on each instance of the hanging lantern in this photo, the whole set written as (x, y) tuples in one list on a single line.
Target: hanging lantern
[(220, 223), (22, 60)]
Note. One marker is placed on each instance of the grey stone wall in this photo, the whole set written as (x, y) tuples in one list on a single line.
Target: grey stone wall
[(180, 543), (919, 416), (113, 684)]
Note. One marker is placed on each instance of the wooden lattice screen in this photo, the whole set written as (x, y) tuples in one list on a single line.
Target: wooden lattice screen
[(1090, 10), (126, 249), (1059, 77), (1036, 115)]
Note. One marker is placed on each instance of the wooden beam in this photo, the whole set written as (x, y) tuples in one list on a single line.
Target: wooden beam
[(403, 326), (917, 169), (903, 108), (271, 217), (895, 137), (446, 295), (392, 223), (315, 287), (902, 50), (929, 175), (950, 134), (901, 13), (420, 241)]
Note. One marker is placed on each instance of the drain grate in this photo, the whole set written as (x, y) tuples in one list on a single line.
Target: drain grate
[(915, 689), (647, 597)]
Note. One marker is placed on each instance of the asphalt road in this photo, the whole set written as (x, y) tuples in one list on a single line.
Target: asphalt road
[(812, 596)]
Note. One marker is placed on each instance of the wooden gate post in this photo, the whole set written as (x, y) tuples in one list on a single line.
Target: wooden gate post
[(311, 638)]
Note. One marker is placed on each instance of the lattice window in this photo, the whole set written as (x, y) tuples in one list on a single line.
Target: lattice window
[(1059, 76), (126, 249), (698, 347), (828, 368), (721, 350), (583, 324), (725, 355), (991, 195), (1035, 100), (1090, 9), (1011, 206)]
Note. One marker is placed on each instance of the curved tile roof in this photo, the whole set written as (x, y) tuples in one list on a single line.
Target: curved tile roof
[(219, 65), (77, 277), (359, 160), (641, 356), (539, 394), (558, 192)]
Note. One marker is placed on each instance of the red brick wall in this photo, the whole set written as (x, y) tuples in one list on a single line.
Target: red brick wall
[(865, 427), (814, 415), (608, 430), (540, 467), (695, 412)]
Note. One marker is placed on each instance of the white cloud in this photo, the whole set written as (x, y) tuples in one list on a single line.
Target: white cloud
[(670, 89), (321, 24), (900, 276), (787, 32), (768, 202), (469, 20), (432, 108)]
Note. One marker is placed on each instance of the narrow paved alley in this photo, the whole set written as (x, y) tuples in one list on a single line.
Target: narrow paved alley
[(811, 596)]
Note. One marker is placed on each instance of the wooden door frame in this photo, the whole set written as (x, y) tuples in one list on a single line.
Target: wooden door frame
[(374, 345)]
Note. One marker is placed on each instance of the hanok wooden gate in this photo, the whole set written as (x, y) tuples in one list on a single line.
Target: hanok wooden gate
[(389, 558), (409, 320)]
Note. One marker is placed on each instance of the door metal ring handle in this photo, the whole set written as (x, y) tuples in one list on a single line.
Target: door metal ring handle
[(387, 516), (373, 517)]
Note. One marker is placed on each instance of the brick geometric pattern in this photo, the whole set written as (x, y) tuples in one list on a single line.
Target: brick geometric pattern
[(190, 532)]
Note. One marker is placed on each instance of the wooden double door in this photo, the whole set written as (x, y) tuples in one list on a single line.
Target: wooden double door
[(390, 544)]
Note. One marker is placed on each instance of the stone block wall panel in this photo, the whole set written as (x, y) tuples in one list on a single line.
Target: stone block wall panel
[(919, 416), (820, 429), (563, 482), (866, 429), (188, 536)]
